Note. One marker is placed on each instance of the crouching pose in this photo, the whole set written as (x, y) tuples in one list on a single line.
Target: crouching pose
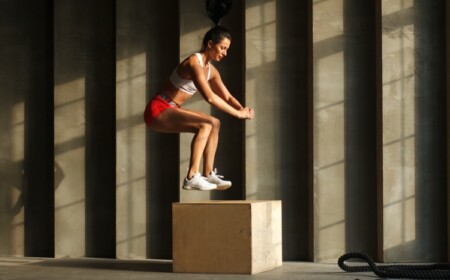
[(164, 113)]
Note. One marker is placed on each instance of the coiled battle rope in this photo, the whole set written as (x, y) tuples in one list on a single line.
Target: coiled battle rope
[(426, 271)]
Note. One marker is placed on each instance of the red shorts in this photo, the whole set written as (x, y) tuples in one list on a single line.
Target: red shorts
[(155, 107)]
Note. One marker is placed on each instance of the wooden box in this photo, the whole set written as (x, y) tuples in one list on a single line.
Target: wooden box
[(233, 237)]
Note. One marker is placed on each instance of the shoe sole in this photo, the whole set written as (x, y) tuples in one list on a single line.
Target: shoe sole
[(197, 189), (223, 187)]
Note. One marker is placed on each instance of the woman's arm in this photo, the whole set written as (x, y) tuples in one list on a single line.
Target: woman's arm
[(221, 90), (233, 109)]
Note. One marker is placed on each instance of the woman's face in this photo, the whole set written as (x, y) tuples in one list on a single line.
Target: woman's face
[(219, 50)]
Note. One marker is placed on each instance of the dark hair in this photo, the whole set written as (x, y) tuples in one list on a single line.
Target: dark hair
[(216, 35)]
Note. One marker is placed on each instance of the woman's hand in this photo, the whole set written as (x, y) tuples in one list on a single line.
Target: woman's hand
[(246, 113)]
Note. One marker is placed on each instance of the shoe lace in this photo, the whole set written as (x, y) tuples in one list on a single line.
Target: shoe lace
[(214, 173)]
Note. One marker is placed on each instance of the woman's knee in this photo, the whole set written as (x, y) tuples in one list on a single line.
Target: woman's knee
[(205, 127), (210, 125), (215, 123)]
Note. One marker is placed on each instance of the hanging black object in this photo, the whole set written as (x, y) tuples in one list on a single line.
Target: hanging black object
[(217, 9), (425, 271)]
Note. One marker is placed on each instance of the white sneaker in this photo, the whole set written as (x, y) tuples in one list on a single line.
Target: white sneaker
[(198, 182), (217, 180)]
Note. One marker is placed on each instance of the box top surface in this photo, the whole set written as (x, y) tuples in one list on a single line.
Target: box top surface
[(226, 202)]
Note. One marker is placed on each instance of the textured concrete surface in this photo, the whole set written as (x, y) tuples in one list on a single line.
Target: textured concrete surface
[(84, 269), (307, 67)]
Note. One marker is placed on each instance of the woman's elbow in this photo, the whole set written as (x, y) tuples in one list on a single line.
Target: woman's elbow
[(210, 99)]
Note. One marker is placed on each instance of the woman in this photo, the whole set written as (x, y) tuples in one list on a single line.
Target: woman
[(164, 113)]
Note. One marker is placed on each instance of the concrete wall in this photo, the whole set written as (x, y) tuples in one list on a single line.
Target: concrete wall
[(351, 127), (414, 169), (84, 38), (26, 129), (277, 86), (147, 162), (344, 110)]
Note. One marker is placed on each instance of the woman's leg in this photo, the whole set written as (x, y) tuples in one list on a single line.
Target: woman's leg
[(203, 126), (211, 147)]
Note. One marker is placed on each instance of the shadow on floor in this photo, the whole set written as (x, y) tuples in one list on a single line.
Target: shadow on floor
[(110, 264)]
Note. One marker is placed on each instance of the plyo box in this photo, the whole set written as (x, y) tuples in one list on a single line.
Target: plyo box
[(229, 237)]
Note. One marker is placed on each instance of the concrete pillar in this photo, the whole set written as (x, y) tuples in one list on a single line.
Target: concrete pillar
[(345, 128), (163, 182), (262, 133), (70, 141), (430, 128), (15, 54), (84, 128), (413, 131), (294, 78), (131, 98), (100, 130), (26, 153), (39, 159), (147, 173), (329, 128), (278, 140), (361, 91)]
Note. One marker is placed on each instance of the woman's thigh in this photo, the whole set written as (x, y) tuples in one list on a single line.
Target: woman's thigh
[(180, 120)]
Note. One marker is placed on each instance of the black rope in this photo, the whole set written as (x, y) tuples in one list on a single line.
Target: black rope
[(426, 271)]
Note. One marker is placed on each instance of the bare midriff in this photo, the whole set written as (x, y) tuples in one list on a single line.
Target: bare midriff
[(177, 95)]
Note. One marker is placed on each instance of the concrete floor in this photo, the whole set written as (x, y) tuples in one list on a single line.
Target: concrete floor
[(83, 269)]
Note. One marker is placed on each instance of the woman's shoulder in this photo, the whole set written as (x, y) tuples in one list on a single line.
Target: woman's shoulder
[(190, 62), (189, 58)]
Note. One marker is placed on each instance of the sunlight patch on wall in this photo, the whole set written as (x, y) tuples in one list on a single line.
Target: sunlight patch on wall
[(131, 98), (328, 19), (70, 126), (261, 34), (17, 131), (191, 42), (399, 165), (329, 127), (262, 133), (396, 6)]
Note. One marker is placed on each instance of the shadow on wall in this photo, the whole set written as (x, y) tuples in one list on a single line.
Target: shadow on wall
[(12, 202)]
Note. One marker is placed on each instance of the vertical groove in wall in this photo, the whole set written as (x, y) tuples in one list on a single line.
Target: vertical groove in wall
[(163, 183), (310, 128), (230, 151), (244, 100), (379, 129), (430, 130), (11, 129), (292, 82), (100, 130), (38, 162), (360, 126)]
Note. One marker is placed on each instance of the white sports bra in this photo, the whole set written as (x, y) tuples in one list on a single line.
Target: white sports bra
[(184, 85)]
